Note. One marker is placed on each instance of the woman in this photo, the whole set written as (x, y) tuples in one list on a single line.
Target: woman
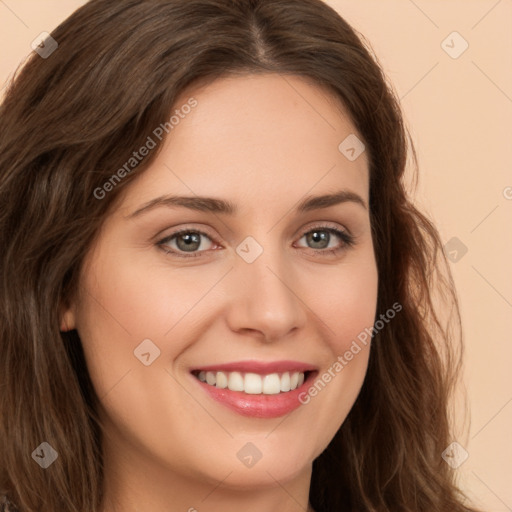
[(216, 294)]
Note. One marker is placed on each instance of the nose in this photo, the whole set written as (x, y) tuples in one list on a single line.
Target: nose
[(265, 298)]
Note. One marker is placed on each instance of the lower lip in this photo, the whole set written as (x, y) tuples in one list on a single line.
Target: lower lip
[(258, 406)]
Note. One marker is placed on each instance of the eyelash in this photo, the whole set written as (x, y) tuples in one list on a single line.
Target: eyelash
[(347, 239)]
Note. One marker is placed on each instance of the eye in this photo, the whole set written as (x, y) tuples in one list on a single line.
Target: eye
[(320, 239), (189, 243), (185, 241)]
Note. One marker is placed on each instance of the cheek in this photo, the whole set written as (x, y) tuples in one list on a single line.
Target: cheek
[(347, 304), (348, 308), (352, 317), (357, 304), (129, 299), (124, 303)]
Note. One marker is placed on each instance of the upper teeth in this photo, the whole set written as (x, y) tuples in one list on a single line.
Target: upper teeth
[(253, 383)]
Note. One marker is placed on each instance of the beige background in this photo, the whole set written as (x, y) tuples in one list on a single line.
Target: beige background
[(459, 111)]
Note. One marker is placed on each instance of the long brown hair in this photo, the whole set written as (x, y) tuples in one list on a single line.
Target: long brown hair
[(71, 120)]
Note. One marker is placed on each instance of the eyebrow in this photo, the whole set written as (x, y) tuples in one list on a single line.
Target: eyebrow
[(213, 205)]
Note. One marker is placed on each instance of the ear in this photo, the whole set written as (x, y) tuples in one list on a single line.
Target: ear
[(67, 318)]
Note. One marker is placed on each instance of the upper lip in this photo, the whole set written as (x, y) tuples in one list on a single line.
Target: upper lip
[(260, 367)]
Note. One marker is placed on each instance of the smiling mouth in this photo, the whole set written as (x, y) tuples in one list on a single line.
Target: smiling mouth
[(253, 383)]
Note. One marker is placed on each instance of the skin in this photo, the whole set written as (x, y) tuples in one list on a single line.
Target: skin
[(263, 142)]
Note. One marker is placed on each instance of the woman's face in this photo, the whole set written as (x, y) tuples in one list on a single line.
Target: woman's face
[(267, 293)]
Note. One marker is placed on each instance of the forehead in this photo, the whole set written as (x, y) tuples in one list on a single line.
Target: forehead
[(251, 137)]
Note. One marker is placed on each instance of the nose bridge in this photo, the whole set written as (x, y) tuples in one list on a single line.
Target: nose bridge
[(263, 297)]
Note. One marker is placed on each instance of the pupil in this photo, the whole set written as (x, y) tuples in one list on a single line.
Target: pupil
[(188, 241), (319, 237)]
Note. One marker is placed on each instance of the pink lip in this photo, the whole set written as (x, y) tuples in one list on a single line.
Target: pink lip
[(259, 367), (258, 406)]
